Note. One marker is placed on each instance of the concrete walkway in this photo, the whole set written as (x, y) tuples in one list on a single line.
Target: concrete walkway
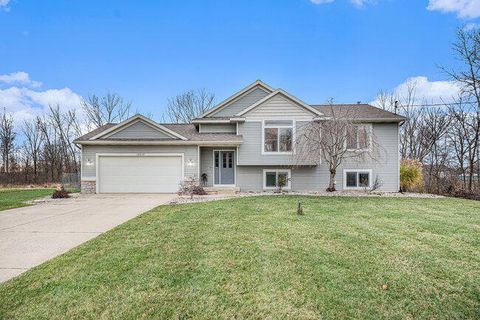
[(32, 235)]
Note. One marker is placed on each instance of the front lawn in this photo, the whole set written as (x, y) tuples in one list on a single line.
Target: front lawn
[(255, 258), (15, 198)]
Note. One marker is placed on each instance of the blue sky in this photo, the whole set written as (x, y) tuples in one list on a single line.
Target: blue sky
[(148, 51)]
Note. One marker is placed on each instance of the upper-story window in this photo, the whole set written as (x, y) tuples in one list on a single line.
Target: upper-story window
[(278, 136), (358, 137)]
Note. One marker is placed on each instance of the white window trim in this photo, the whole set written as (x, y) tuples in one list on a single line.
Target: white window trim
[(289, 179), (370, 177), (369, 137), (138, 154), (220, 175), (293, 127)]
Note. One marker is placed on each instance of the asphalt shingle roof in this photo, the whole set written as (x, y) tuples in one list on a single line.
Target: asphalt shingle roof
[(364, 112), (93, 133), (358, 111), (186, 130)]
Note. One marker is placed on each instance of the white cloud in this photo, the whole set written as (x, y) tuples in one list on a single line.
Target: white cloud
[(427, 91), (26, 102), (463, 8), (20, 78), (471, 26), (358, 3), (4, 5)]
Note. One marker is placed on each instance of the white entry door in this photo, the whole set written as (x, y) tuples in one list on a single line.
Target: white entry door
[(139, 174)]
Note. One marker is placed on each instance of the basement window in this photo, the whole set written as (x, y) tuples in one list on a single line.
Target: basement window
[(357, 179)]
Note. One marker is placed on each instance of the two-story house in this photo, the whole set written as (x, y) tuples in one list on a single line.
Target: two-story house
[(246, 142)]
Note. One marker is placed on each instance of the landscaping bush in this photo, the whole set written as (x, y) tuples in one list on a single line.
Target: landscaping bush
[(411, 176), (60, 193), (191, 187)]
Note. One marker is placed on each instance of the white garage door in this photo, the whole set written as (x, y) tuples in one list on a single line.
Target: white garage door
[(139, 174)]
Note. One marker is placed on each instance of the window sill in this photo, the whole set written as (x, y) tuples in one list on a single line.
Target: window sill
[(268, 153), (356, 188), (359, 150)]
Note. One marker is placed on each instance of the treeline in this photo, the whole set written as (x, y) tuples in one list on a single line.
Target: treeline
[(40, 150), (445, 137)]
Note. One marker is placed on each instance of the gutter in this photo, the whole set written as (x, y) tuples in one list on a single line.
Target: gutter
[(206, 120), (158, 143)]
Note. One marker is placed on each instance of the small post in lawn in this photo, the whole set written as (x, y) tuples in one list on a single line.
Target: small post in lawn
[(299, 209)]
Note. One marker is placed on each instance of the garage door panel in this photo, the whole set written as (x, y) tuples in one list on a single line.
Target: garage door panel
[(139, 174)]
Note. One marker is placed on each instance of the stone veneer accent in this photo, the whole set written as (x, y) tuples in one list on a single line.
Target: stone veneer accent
[(87, 186)]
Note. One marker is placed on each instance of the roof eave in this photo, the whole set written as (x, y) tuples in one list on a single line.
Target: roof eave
[(212, 120), (131, 120), (237, 95), (160, 143)]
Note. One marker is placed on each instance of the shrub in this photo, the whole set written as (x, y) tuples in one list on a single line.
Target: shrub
[(281, 183), (377, 184), (411, 175), (191, 187), (60, 193)]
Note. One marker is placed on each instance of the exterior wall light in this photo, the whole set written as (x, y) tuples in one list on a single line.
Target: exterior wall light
[(89, 162), (190, 163)]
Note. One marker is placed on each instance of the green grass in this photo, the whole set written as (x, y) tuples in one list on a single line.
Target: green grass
[(15, 198), (255, 258)]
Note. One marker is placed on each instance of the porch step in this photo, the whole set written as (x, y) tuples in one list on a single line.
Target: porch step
[(222, 190)]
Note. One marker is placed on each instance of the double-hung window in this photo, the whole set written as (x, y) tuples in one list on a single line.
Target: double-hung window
[(278, 136), (355, 179), (358, 137)]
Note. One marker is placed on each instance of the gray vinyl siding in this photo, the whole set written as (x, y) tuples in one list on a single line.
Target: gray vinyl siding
[(279, 107), (250, 152), (140, 130), (217, 128), (90, 152), (250, 178), (238, 105), (316, 178), (206, 164)]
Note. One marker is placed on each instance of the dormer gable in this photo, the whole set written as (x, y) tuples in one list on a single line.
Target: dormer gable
[(139, 127), (240, 100), (280, 104)]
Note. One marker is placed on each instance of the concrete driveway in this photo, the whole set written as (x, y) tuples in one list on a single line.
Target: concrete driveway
[(32, 235)]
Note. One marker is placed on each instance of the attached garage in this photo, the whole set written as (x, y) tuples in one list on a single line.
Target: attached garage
[(139, 173)]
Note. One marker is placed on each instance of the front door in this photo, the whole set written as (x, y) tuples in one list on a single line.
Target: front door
[(224, 167)]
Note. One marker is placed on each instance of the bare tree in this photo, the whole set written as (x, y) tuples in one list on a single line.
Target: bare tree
[(334, 140), (7, 137), (464, 140), (467, 50), (33, 142), (107, 109), (187, 106), (386, 100)]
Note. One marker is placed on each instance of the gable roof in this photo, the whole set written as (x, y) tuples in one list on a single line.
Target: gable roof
[(361, 112), (95, 132), (188, 131), (286, 95), (239, 94), (137, 117)]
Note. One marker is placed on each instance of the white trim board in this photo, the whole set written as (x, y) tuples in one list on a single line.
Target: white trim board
[(234, 168), (276, 170), (238, 95), (133, 119), (284, 94), (139, 154), (278, 153), (370, 178)]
